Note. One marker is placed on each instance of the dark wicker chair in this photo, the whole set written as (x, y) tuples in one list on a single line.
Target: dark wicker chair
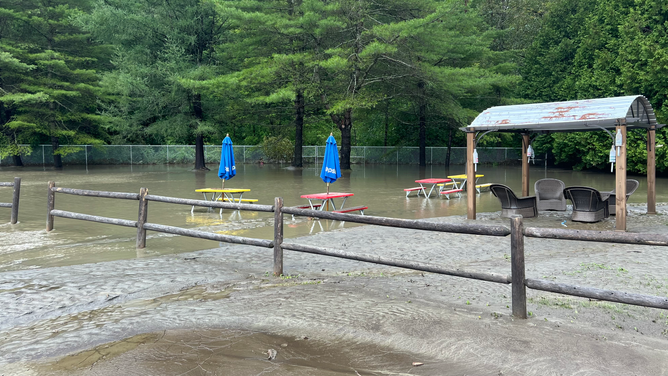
[(511, 204), (631, 186), (588, 205), (550, 194)]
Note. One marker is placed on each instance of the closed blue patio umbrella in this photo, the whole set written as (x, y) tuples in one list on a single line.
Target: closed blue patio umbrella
[(227, 169), (331, 170)]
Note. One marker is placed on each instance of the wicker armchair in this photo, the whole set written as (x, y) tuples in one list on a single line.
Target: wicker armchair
[(511, 204), (631, 186), (588, 206), (550, 194)]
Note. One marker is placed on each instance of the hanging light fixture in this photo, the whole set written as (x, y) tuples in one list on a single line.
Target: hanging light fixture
[(618, 141), (475, 160), (613, 158)]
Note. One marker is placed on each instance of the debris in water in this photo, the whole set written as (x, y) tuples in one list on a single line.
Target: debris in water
[(271, 354), (564, 223), (417, 364)]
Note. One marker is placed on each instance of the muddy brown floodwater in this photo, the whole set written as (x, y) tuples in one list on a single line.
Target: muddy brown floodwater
[(81, 301)]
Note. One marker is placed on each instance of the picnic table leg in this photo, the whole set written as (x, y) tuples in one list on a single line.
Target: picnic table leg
[(432, 188), (343, 203)]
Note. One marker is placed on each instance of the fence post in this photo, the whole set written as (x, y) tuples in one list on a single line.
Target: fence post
[(15, 201), (141, 219), (278, 236), (517, 267), (50, 205)]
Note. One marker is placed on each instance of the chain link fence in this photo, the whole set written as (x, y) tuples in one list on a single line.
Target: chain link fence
[(185, 154)]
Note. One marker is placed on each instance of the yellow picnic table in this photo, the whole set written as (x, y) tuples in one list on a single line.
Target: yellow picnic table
[(223, 194), (462, 180)]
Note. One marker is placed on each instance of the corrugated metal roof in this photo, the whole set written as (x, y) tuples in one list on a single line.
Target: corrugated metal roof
[(581, 115)]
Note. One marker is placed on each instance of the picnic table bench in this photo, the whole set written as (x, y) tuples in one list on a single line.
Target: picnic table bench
[(355, 208), (247, 200), (414, 189), (315, 206), (478, 187), (451, 191)]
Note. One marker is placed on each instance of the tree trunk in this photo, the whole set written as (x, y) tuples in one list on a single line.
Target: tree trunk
[(57, 160), (345, 126), (447, 153), (199, 153), (17, 161), (423, 123), (200, 162), (299, 128), (387, 120)]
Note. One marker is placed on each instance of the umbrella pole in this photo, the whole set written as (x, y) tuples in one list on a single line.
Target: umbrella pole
[(223, 187), (327, 194)]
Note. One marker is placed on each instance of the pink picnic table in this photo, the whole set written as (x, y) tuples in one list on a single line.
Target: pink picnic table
[(434, 183)]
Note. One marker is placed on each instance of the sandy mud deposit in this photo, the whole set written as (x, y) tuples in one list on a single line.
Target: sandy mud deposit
[(219, 311)]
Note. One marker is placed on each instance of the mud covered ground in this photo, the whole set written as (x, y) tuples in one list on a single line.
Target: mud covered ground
[(218, 312)]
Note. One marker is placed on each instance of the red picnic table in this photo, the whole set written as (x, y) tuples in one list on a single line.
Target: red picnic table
[(434, 183), (329, 197), (325, 197)]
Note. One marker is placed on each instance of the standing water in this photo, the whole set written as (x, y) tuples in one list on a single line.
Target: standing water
[(380, 187)]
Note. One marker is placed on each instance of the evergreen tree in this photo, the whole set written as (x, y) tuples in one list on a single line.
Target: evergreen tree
[(48, 84), (158, 44)]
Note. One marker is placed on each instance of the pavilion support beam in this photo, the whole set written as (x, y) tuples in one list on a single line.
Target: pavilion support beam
[(620, 187), (470, 176), (525, 165), (651, 171)]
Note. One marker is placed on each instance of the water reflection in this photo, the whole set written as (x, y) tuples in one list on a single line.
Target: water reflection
[(380, 187)]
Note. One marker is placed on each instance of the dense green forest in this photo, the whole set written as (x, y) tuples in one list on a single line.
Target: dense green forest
[(286, 73)]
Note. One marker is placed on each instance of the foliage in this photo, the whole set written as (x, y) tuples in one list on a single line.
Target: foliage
[(277, 149), (597, 49), (48, 77), (158, 44)]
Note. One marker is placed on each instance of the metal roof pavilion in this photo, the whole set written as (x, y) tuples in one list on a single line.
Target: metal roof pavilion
[(580, 115), (618, 114)]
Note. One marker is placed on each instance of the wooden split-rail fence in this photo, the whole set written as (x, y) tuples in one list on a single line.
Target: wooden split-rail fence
[(517, 232), (14, 205)]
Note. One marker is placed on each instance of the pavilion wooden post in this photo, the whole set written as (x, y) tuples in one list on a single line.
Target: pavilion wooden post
[(525, 165), (651, 170), (620, 188), (470, 176)]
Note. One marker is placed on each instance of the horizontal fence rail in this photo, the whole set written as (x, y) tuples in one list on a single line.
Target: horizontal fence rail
[(490, 277), (473, 229), (517, 233), (209, 235), (14, 205), (93, 218), (85, 192), (596, 236), (211, 204), (599, 294)]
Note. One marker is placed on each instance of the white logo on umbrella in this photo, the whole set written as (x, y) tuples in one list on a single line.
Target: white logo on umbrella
[(330, 170)]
